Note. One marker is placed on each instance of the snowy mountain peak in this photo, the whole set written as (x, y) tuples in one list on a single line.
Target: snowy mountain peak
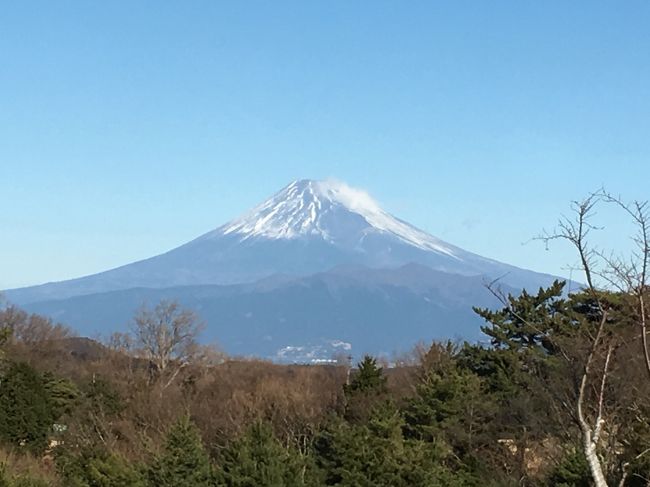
[(355, 200), (331, 210), (307, 228)]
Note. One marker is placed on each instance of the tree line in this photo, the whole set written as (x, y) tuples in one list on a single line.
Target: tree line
[(559, 395)]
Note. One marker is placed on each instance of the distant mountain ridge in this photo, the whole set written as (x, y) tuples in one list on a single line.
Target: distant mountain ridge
[(305, 318), (307, 227)]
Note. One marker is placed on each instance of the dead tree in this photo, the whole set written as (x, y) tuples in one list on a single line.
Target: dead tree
[(167, 337)]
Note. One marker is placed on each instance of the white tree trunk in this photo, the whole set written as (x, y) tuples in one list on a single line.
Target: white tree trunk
[(592, 459)]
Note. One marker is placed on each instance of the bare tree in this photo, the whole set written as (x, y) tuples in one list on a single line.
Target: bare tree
[(576, 231), (120, 342), (624, 275), (167, 337), (630, 275), (31, 329)]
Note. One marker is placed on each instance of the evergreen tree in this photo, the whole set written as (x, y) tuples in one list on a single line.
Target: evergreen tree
[(366, 389), (102, 398), (449, 406), (184, 461), (453, 410), (369, 378), (377, 454), (258, 459), (96, 468), (26, 410), (572, 471), (63, 394), (528, 322), (530, 338)]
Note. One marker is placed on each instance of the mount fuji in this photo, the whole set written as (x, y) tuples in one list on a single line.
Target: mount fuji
[(324, 242)]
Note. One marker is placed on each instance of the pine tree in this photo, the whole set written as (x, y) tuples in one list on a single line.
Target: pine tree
[(184, 461), (365, 391), (528, 321), (26, 410), (91, 468), (102, 398), (449, 406), (572, 471), (63, 394), (376, 454), (258, 459), (369, 378)]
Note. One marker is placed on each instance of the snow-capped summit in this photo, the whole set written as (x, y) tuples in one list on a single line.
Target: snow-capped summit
[(331, 210), (316, 267), (305, 228), (301, 209)]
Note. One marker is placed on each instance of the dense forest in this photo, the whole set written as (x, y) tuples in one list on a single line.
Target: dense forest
[(558, 395)]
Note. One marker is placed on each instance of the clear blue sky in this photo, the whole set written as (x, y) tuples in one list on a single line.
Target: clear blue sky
[(128, 128)]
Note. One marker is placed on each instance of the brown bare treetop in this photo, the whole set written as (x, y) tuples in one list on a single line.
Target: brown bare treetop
[(166, 336)]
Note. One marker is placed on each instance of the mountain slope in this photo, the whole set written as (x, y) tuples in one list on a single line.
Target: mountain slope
[(348, 309), (307, 227)]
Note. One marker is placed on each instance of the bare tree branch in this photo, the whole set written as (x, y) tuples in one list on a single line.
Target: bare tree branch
[(166, 335)]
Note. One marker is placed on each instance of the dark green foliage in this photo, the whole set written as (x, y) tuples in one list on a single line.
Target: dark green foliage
[(369, 378), (450, 406), (528, 322), (96, 468), (63, 394), (470, 416), (514, 385), (572, 471), (26, 409), (501, 370), (183, 461), (102, 398), (258, 459), (366, 389), (637, 441), (5, 334), (527, 365), (377, 454)]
